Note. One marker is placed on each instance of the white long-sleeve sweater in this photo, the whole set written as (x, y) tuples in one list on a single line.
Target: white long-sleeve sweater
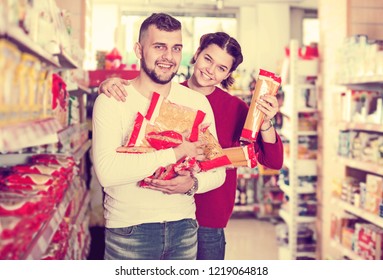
[(126, 203)]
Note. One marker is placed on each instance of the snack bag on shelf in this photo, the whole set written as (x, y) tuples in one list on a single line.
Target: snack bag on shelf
[(267, 83), (60, 100)]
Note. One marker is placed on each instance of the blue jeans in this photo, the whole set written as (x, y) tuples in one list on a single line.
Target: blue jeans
[(176, 240), (211, 243)]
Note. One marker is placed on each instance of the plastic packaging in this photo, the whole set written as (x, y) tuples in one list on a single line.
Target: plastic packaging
[(267, 83)]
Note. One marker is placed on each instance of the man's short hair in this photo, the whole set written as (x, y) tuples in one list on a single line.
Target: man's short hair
[(161, 21)]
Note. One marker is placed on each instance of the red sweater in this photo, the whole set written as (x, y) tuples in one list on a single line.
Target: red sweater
[(215, 207)]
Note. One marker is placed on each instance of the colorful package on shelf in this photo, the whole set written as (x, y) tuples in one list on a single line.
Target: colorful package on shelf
[(20, 226), (65, 164), (267, 83), (60, 100), (54, 159), (29, 179), (12, 249), (369, 243), (51, 170), (29, 189), (9, 59), (12, 204), (58, 248)]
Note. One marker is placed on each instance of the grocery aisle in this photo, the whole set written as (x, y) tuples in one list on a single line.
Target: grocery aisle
[(251, 239)]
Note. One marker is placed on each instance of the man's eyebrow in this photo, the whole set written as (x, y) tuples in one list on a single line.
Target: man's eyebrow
[(163, 44)]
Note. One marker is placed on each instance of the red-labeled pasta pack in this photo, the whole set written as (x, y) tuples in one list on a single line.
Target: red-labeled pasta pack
[(164, 126), (267, 83)]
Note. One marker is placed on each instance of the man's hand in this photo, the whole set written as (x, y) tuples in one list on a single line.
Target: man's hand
[(114, 87), (191, 149), (178, 185)]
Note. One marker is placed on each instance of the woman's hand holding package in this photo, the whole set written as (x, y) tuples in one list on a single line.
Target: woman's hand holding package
[(114, 87), (268, 104)]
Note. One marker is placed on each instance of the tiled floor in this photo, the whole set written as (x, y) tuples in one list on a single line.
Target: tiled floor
[(250, 239)]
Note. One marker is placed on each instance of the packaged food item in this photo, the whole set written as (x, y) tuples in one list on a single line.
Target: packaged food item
[(18, 204), (9, 61), (164, 126), (165, 116), (213, 152), (242, 156), (170, 171), (29, 179), (135, 150), (267, 83)]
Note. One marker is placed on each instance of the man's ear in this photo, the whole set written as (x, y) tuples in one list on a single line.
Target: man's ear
[(138, 50)]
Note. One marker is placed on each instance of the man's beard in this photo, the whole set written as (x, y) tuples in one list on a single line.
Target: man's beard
[(152, 74)]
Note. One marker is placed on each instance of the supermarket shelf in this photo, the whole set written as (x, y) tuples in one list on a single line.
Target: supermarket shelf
[(43, 238), (79, 219), (84, 89), (26, 44), (28, 134), (365, 166), (372, 218), (65, 134), (345, 251), (304, 167), (299, 190), (298, 219), (361, 126), (244, 208), (285, 188), (66, 61), (286, 131), (284, 253), (247, 176), (84, 208), (287, 112), (363, 80), (82, 150)]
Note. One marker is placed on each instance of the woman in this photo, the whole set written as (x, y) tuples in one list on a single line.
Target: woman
[(217, 57)]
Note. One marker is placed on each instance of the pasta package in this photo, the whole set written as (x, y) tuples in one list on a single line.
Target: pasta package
[(164, 124), (243, 156), (170, 171), (212, 151), (267, 83)]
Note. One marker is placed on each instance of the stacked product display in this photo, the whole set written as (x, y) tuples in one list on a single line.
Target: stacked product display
[(357, 226), (269, 195), (297, 237), (43, 135)]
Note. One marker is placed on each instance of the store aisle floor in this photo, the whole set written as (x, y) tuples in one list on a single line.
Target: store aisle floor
[(250, 239)]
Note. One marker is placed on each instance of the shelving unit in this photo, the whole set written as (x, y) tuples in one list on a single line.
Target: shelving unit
[(19, 140), (359, 169), (297, 166)]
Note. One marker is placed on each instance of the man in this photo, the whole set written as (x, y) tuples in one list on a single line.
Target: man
[(147, 223)]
